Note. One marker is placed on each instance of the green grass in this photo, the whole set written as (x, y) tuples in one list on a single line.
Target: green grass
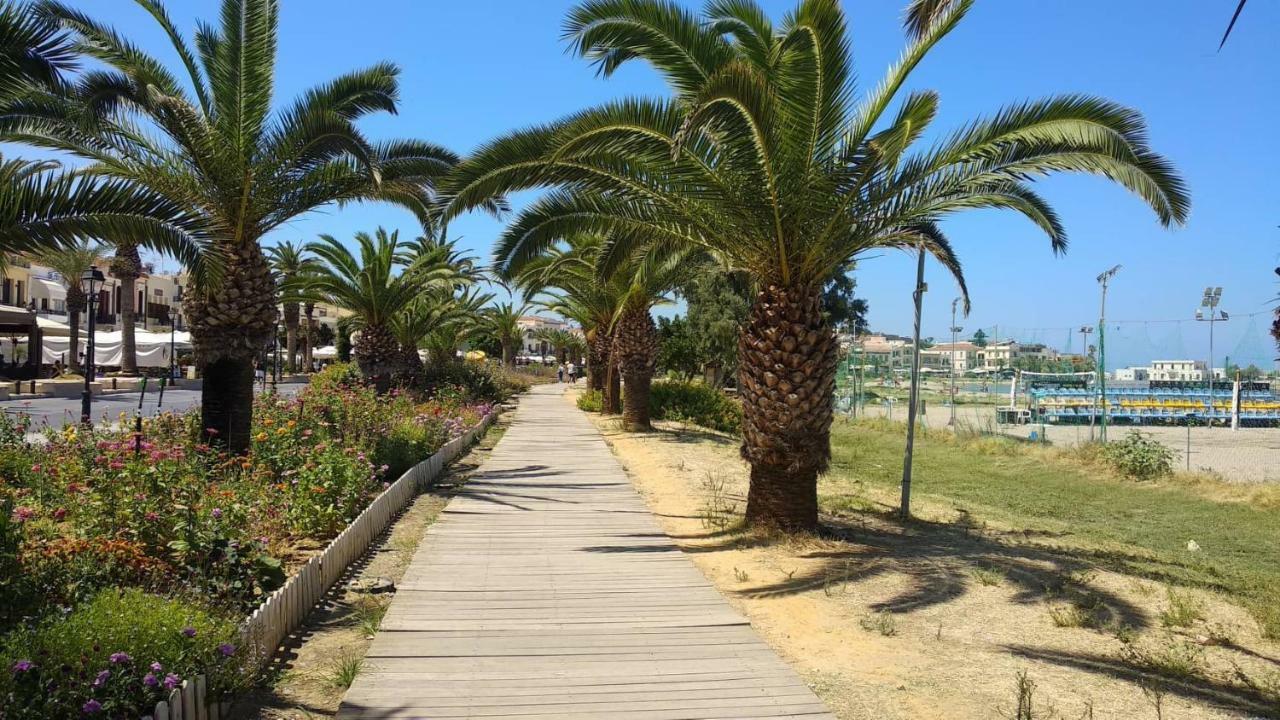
[(1137, 528)]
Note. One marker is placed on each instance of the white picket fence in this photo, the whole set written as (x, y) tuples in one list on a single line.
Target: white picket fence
[(283, 612)]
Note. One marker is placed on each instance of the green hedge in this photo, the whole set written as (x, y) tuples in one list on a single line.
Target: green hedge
[(695, 403)]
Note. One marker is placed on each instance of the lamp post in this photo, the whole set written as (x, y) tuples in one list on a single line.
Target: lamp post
[(954, 330), (90, 281), (1209, 312), (914, 394), (1104, 280)]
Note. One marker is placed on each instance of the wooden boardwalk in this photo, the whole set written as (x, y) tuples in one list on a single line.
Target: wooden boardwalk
[(547, 591)]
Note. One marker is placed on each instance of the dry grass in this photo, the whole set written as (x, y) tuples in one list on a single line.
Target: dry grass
[(967, 593)]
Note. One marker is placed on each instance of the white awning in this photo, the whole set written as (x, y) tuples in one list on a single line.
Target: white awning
[(328, 352), (52, 328), (46, 288)]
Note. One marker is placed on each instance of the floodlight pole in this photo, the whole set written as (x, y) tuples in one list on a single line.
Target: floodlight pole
[(1212, 296), (1104, 279), (913, 397), (1085, 331)]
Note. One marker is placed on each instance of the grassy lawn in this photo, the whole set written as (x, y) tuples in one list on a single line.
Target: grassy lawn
[(1141, 529)]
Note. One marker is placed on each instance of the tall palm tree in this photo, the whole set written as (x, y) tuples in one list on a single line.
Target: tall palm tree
[(71, 262), (766, 159), (293, 269), (569, 345), (502, 323), (210, 143)]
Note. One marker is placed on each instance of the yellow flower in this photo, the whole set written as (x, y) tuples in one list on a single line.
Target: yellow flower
[(281, 431), (268, 422), (293, 423), (261, 436)]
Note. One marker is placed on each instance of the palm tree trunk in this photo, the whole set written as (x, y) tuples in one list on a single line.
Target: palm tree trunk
[(635, 347), (126, 266), (376, 353), (229, 328), (787, 369), (508, 354), (308, 311), (598, 348), (291, 337), (612, 404), (75, 305)]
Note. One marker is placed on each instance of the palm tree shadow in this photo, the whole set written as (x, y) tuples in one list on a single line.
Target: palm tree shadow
[(1251, 701), (943, 561)]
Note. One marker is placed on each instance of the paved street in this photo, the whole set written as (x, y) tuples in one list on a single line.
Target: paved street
[(57, 412)]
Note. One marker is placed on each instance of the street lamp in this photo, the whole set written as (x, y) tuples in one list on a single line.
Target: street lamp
[(954, 330), (1209, 312), (90, 281), (1104, 280)]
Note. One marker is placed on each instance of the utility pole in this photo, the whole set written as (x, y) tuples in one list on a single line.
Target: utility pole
[(914, 395), (1104, 280), (954, 330)]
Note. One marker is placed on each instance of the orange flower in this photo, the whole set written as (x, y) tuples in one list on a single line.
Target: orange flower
[(261, 436)]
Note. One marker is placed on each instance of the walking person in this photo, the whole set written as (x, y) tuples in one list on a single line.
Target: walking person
[(573, 374), (560, 373)]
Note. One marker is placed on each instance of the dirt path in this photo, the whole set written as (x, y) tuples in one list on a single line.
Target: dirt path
[(307, 680), (936, 622)]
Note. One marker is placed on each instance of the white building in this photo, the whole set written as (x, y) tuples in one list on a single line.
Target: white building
[(532, 346), (944, 357), (1177, 371), (1133, 374)]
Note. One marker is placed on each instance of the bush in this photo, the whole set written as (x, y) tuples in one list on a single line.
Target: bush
[(1139, 456), (116, 655), (470, 382), (591, 401), (695, 403)]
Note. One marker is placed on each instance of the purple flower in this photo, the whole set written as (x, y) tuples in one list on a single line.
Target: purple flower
[(150, 680), (217, 513), (91, 707), (102, 678), (171, 681), (120, 657), (227, 649), (189, 631), (23, 666), (156, 667)]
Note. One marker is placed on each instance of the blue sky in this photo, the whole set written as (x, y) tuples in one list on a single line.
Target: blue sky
[(472, 70)]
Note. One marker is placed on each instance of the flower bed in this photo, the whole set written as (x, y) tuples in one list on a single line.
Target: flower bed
[(161, 534)]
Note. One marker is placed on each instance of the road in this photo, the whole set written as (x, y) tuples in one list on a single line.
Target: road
[(56, 412)]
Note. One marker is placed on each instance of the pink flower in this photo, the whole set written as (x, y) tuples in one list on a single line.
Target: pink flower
[(36, 468), (151, 516), (116, 465), (22, 513), (60, 513)]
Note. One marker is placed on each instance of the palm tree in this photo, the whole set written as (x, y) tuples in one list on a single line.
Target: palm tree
[(767, 160), (456, 323), (293, 269), (211, 144), (502, 323), (71, 262), (372, 289)]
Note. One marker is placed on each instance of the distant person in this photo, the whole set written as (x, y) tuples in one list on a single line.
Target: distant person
[(573, 374), (560, 372)]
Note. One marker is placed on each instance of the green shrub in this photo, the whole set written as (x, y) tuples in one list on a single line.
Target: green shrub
[(591, 401), (470, 381), (116, 656), (695, 403), (408, 444), (1139, 456)]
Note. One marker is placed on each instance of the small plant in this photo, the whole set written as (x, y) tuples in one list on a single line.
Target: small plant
[(1172, 658), (367, 613), (988, 576), (740, 575), (881, 622), (591, 401), (1183, 610), (1125, 633), (1139, 456), (1154, 693), (718, 512), (1024, 701), (1070, 616), (342, 673)]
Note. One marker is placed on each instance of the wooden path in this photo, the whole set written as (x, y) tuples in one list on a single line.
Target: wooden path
[(547, 591)]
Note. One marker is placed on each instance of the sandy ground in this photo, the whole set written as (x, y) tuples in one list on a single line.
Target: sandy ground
[(938, 620), (306, 680)]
